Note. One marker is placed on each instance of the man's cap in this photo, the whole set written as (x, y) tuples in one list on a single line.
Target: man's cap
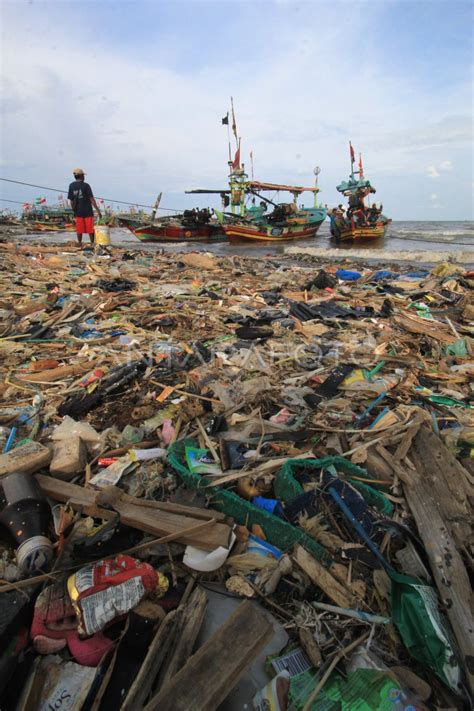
[(78, 171)]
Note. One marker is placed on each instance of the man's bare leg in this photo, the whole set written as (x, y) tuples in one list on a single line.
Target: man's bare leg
[(92, 237), (79, 239)]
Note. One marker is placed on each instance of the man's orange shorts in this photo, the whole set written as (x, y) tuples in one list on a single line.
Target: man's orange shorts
[(84, 225)]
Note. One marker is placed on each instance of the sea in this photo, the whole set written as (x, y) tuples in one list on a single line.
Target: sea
[(430, 237)]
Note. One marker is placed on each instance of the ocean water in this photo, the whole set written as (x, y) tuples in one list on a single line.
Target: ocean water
[(402, 236)]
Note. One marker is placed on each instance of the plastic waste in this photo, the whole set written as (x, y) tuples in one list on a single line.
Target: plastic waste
[(200, 461), (347, 275), (70, 428), (27, 516), (108, 589)]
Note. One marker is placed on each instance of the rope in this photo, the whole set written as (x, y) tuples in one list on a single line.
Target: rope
[(56, 190)]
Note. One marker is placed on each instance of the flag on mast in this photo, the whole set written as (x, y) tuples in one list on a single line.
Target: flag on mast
[(352, 152), (236, 163), (361, 169), (234, 124), (225, 120)]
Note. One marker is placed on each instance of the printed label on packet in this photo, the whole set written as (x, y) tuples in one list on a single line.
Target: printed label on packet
[(102, 607)]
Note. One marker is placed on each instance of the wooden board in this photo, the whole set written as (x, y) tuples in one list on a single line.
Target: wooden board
[(157, 522), (28, 458), (211, 674), (187, 631), (430, 493)]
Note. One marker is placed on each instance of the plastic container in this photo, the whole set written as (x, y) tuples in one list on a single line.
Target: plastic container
[(27, 517), (102, 234)]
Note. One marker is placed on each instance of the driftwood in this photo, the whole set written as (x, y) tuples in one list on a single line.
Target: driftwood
[(322, 578), (436, 492), (148, 520), (211, 674), (187, 630)]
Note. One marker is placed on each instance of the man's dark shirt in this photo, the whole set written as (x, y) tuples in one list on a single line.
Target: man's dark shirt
[(84, 205)]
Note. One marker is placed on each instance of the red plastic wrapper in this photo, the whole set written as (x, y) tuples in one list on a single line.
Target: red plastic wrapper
[(110, 588), (106, 461)]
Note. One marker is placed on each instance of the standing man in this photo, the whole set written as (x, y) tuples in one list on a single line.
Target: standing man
[(82, 200)]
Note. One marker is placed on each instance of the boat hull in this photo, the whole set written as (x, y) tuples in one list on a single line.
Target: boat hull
[(360, 234), (178, 233), (244, 232)]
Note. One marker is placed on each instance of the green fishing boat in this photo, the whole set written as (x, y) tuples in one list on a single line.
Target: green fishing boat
[(361, 222)]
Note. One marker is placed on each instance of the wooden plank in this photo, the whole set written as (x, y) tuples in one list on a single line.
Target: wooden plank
[(182, 509), (186, 634), (451, 484), (428, 502), (322, 578), (28, 458), (211, 674), (159, 523)]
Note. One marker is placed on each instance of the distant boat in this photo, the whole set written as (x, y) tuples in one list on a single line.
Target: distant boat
[(37, 218), (361, 223)]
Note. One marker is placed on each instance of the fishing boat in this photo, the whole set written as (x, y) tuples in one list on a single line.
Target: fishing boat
[(256, 223), (361, 222), (38, 218), (286, 221), (190, 226)]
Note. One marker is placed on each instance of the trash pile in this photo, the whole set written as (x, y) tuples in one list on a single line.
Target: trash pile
[(234, 483)]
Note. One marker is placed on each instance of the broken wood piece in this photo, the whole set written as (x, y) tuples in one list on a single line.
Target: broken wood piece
[(187, 632), (434, 493), (64, 371), (322, 578), (27, 458), (211, 674), (154, 521), (193, 511), (310, 646), (69, 458)]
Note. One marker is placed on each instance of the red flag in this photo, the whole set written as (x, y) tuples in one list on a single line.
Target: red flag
[(236, 163), (361, 169), (352, 152)]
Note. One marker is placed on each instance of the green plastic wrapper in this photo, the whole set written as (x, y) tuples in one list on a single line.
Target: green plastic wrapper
[(361, 690), (423, 629)]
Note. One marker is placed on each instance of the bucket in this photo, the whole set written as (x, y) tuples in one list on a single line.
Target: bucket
[(102, 234)]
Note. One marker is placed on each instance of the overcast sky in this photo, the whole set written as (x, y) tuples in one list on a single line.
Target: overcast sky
[(134, 93)]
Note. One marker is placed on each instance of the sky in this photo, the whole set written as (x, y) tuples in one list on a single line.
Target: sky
[(134, 93)]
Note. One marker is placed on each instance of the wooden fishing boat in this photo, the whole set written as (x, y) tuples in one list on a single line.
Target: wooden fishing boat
[(47, 219), (353, 233), (361, 223), (250, 222), (301, 226), (191, 226)]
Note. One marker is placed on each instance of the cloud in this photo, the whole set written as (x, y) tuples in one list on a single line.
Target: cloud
[(443, 166), (446, 165)]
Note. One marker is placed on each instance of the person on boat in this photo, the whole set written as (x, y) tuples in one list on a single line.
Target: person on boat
[(355, 203), (373, 215), (82, 201), (339, 221), (360, 218)]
